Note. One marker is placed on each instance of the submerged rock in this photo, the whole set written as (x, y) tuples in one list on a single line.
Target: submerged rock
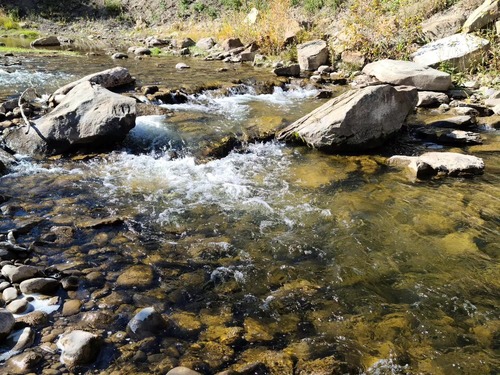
[(89, 117), (23, 363), (439, 163), (79, 348), (146, 323), (396, 72), (136, 276), (354, 121)]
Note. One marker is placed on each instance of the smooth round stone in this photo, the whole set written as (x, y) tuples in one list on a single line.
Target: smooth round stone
[(71, 307), (181, 370), (17, 306), (4, 285), (141, 51), (9, 294), (43, 285), (7, 322), (181, 66), (16, 274)]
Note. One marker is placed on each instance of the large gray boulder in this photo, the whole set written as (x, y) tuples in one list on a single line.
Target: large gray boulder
[(397, 72), (486, 13), (79, 348), (89, 117), (109, 78), (356, 120), (459, 51), (312, 55), (439, 163)]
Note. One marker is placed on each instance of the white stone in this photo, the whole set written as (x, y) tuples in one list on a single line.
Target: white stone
[(459, 51)]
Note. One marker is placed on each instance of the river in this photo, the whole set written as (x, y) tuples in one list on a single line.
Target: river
[(311, 257)]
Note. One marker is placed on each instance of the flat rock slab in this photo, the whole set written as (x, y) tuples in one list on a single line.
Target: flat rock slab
[(486, 13), (449, 136), (397, 72), (108, 78), (459, 51), (439, 164), (354, 121)]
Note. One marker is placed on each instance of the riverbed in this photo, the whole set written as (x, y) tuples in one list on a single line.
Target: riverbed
[(309, 257)]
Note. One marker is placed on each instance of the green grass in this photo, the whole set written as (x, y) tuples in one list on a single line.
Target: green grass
[(20, 50), (30, 34)]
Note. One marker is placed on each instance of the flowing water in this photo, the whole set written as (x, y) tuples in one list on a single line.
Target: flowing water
[(310, 256)]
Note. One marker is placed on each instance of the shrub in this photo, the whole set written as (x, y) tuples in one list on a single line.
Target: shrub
[(7, 22)]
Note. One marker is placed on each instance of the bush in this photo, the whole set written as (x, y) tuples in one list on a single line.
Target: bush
[(7, 22)]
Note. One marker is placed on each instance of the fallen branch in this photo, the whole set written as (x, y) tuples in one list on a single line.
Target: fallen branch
[(26, 120)]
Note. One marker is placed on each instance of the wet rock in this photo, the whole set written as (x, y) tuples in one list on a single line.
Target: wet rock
[(17, 306), (181, 370), (224, 335), (209, 355), (262, 361), (450, 137), (17, 274), (455, 122), (119, 56), (181, 66), (23, 339), (356, 120), (4, 285), (6, 161), (431, 99), (485, 14), (79, 348), (312, 55), (136, 276), (7, 322), (71, 307), (439, 163), (33, 319), (142, 51), (70, 283), (23, 363), (396, 72), (256, 331), (101, 222), (205, 43), (49, 41), (43, 285), (288, 71), (88, 117), (322, 366), (146, 323), (459, 50), (9, 294), (184, 325), (99, 319)]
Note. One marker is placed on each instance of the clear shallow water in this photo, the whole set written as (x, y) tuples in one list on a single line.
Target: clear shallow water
[(330, 255)]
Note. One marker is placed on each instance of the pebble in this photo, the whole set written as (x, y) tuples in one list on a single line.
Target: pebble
[(71, 307), (17, 306), (44, 285), (181, 66), (9, 294)]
